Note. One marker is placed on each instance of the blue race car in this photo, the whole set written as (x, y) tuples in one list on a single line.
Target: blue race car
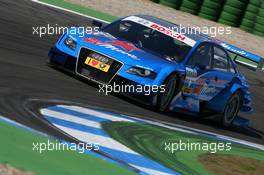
[(191, 73)]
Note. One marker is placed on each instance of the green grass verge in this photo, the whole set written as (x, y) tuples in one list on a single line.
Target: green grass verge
[(81, 9), (17, 151), (149, 140), (242, 59)]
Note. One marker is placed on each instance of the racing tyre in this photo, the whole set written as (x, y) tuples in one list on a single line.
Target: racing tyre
[(261, 12), (236, 3), (164, 98), (259, 27), (231, 109), (252, 8), (232, 10), (250, 16), (260, 20), (210, 17), (258, 33), (247, 29), (229, 17), (212, 4), (171, 3), (255, 2), (189, 4), (262, 5), (208, 11), (229, 23), (188, 10), (247, 23)]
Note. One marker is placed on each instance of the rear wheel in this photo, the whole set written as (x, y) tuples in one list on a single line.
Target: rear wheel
[(231, 109), (164, 98)]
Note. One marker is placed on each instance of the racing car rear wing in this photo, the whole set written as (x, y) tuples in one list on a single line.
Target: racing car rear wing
[(244, 58)]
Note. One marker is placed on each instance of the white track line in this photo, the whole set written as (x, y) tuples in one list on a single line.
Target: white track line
[(96, 113), (195, 131), (96, 139), (70, 11), (85, 136), (70, 118), (150, 171), (187, 129), (247, 64), (177, 127), (109, 143)]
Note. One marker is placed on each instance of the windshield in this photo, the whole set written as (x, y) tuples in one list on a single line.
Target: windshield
[(149, 39)]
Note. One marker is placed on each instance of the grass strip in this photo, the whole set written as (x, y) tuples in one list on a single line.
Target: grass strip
[(17, 150), (149, 140)]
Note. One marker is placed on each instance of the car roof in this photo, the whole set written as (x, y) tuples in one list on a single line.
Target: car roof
[(200, 37), (196, 36)]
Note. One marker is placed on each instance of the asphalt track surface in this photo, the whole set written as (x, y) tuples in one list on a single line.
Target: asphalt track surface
[(26, 76)]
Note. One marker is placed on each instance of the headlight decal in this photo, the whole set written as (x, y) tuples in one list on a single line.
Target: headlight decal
[(142, 72), (70, 42)]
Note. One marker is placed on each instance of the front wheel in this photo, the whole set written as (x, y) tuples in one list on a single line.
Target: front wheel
[(165, 97), (231, 109)]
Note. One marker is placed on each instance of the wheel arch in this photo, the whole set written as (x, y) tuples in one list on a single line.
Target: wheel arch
[(178, 85), (179, 78), (218, 103)]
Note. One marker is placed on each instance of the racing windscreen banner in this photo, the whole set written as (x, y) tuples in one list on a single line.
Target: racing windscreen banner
[(162, 29)]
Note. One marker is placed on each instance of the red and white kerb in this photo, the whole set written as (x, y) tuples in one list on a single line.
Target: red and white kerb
[(161, 29)]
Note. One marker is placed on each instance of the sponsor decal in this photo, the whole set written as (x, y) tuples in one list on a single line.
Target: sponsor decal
[(168, 32), (237, 50), (191, 75), (92, 40), (187, 90), (162, 29), (231, 48), (124, 45), (97, 64), (228, 47), (199, 85), (99, 57), (128, 47), (208, 91), (191, 72)]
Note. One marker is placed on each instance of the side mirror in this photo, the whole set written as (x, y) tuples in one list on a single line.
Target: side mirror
[(97, 24)]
